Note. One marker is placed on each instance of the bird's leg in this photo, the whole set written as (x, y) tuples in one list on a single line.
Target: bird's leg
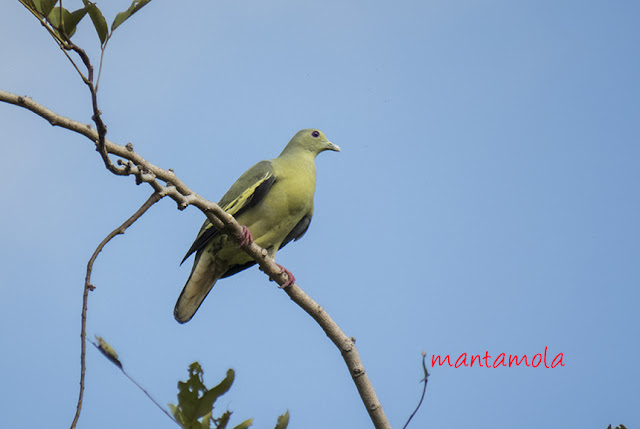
[(290, 279), (246, 236)]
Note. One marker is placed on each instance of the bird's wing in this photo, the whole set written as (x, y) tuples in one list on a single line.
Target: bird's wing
[(245, 193), (296, 233), (299, 230)]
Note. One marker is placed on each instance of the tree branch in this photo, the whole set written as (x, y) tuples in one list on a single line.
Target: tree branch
[(349, 353), (154, 198), (425, 380), (145, 172)]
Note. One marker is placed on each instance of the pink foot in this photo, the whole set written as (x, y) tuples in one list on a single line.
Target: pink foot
[(290, 279), (246, 236)]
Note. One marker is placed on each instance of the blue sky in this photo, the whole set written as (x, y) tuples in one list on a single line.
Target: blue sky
[(485, 199)]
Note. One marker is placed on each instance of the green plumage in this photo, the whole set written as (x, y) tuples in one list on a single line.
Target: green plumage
[(273, 199)]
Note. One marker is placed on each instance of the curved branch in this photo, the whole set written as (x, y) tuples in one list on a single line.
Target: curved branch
[(425, 380), (347, 348), (144, 171), (154, 198)]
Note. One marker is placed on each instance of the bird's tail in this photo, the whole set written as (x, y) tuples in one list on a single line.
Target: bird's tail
[(204, 275)]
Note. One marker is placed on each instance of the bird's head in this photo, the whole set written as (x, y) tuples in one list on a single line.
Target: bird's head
[(311, 140)]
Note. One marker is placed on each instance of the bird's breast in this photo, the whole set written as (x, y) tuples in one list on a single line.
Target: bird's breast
[(287, 202)]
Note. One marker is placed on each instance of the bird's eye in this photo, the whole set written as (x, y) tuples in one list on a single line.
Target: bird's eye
[(315, 133)]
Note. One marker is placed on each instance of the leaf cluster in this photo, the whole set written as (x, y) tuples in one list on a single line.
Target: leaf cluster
[(63, 23), (195, 403)]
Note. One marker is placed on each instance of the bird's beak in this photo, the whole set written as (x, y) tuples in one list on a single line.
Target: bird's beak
[(332, 146)]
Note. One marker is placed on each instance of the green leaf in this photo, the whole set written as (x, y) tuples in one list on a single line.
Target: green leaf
[(136, 5), (189, 393), (206, 422), (223, 420), (76, 16), (174, 410), (44, 6), (195, 402), (57, 16), (205, 404), (283, 421), (69, 20), (245, 424), (98, 20)]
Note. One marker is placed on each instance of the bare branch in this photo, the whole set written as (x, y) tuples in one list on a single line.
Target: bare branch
[(96, 117), (104, 46), (51, 117), (154, 198), (425, 380), (349, 353), (145, 172)]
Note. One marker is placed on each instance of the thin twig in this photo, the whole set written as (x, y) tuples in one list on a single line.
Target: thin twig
[(110, 354), (154, 198), (56, 37), (104, 46), (424, 389), (64, 51), (150, 397), (93, 89)]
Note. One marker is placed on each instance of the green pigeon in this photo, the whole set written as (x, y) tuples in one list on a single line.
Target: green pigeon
[(273, 200)]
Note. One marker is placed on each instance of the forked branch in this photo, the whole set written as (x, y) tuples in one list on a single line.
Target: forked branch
[(131, 163)]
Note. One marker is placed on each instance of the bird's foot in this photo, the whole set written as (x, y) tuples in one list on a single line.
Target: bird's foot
[(246, 236), (290, 279)]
